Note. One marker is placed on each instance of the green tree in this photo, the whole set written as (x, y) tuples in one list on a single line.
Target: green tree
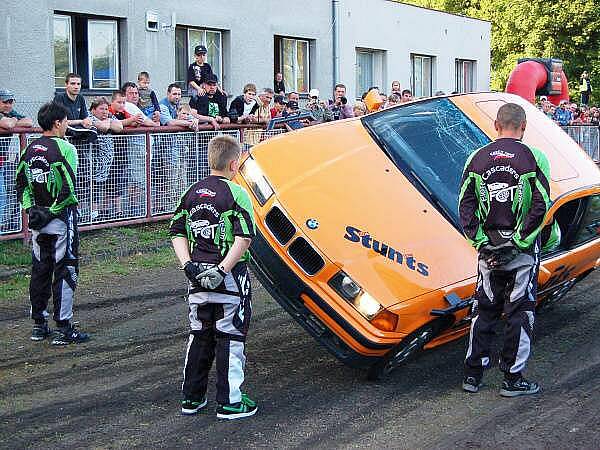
[(565, 29)]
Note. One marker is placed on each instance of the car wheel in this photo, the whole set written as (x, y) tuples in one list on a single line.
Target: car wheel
[(403, 352)]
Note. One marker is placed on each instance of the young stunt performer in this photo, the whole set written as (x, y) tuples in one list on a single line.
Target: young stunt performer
[(504, 197), (211, 232), (45, 182)]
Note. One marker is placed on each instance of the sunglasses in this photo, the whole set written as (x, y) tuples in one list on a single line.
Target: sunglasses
[(12, 100)]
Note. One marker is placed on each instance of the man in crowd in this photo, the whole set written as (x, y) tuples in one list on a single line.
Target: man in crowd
[(279, 103), (263, 113), (211, 231), (339, 106), (562, 114), (168, 110), (507, 235), (243, 107), (293, 97), (278, 84), (73, 101), (212, 105), (406, 96), (585, 88), (9, 117), (46, 190), (198, 71), (318, 108), (132, 106)]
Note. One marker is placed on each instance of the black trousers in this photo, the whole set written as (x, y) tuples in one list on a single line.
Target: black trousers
[(55, 268), (219, 326), (511, 291)]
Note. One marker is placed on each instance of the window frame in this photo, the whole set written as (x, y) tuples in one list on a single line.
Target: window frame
[(69, 46), (371, 54), (431, 59), (189, 53), (115, 24), (82, 64), (459, 78), (293, 87)]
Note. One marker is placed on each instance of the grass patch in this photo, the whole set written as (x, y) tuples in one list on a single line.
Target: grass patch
[(14, 254)]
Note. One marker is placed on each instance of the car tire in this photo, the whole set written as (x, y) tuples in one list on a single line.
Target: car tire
[(403, 352)]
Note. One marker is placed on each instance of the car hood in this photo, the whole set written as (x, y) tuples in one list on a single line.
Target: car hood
[(372, 222)]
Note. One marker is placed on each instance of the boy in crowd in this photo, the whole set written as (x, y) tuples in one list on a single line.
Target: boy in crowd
[(45, 183), (148, 102), (198, 71), (243, 107), (211, 231)]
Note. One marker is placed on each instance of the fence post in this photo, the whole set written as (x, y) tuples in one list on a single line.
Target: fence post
[(148, 175), (24, 217)]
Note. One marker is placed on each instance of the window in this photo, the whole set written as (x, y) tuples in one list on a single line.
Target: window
[(465, 76), (430, 142), (422, 80), (186, 39), (292, 60), (369, 69), (590, 223), (364, 71), (89, 47), (63, 51)]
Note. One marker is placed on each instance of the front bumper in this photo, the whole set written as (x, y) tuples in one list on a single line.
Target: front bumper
[(286, 287)]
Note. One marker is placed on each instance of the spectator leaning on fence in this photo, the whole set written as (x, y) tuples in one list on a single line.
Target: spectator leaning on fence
[(168, 109), (132, 106), (213, 105), (9, 117), (103, 152), (244, 106), (45, 183), (263, 113), (74, 102), (278, 106)]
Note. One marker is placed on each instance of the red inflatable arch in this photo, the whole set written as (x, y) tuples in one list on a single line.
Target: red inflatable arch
[(539, 76)]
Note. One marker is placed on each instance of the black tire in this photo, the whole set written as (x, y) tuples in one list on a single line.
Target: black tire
[(403, 352)]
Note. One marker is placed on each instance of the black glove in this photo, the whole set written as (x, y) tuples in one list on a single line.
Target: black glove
[(192, 271), (496, 257), (39, 217)]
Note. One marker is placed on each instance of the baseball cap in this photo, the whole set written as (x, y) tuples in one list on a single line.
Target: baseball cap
[(200, 49), (6, 95), (211, 78), (313, 93), (543, 98), (292, 104)]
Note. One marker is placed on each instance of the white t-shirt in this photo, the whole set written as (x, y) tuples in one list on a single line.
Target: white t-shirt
[(248, 107), (132, 109)]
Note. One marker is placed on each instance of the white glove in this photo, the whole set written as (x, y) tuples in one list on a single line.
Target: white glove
[(211, 278)]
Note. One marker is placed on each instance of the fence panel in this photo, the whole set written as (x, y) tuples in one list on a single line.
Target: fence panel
[(176, 161), (10, 211), (588, 138), (253, 136)]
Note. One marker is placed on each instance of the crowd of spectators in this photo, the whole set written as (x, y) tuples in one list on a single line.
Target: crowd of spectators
[(568, 113), (118, 169)]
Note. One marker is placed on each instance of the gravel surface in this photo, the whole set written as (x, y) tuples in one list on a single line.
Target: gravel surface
[(121, 390)]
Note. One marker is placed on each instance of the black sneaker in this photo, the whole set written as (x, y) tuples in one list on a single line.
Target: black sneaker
[(471, 384), (518, 387), (69, 335), (190, 407), (245, 408), (40, 331)]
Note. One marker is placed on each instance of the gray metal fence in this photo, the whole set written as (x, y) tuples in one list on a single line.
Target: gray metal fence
[(122, 178), (588, 138)]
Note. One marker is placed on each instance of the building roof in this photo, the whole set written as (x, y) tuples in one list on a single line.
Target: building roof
[(439, 11)]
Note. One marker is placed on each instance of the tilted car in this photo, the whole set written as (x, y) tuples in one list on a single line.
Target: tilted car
[(358, 232)]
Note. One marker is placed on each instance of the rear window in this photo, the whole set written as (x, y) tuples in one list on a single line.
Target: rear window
[(430, 142)]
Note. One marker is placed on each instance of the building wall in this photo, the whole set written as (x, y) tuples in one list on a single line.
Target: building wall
[(399, 30), (26, 27)]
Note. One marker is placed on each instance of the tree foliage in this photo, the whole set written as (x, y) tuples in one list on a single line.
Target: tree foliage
[(564, 29)]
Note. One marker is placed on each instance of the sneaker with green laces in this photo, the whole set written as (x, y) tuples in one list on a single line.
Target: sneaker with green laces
[(245, 408), (190, 407)]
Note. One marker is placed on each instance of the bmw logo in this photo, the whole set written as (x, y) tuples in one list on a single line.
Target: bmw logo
[(313, 224)]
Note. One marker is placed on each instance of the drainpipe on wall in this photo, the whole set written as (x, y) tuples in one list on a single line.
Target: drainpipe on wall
[(334, 39)]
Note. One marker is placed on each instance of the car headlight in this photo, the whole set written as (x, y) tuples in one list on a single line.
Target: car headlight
[(257, 181), (355, 295)]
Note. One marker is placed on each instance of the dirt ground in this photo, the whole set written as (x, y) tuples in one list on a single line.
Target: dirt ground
[(121, 390)]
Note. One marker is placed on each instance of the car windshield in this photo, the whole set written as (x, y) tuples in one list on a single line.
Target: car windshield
[(429, 142)]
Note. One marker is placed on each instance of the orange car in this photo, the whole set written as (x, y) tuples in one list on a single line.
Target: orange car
[(358, 232)]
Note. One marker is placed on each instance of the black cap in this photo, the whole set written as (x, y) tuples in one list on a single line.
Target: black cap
[(292, 104), (200, 49), (211, 78)]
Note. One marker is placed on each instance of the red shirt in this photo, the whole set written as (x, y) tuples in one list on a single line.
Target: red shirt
[(119, 115)]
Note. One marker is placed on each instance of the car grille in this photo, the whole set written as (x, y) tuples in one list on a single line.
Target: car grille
[(305, 256), (279, 225)]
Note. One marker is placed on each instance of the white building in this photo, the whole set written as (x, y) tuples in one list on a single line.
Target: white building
[(315, 43)]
